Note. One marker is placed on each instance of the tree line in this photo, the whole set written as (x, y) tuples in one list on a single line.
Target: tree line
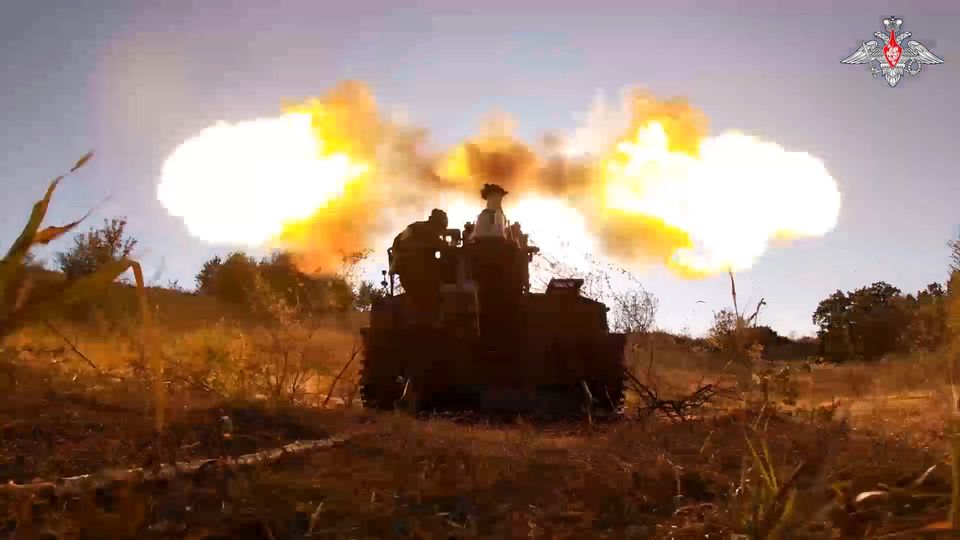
[(237, 279), (865, 324), (878, 320)]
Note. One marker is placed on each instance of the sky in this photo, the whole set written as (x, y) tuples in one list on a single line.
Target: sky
[(132, 79)]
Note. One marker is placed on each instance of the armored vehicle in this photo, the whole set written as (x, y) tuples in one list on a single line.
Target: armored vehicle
[(474, 338)]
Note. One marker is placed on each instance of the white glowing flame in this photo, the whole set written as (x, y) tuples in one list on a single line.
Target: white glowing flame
[(241, 183), (732, 199)]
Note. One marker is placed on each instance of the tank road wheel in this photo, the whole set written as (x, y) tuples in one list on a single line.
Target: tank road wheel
[(606, 380), (380, 396), (560, 401), (380, 388), (607, 395)]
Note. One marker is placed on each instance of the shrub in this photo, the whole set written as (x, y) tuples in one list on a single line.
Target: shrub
[(635, 311), (230, 279), (368, 294), (873, 322), (242, 281), (96, 248)]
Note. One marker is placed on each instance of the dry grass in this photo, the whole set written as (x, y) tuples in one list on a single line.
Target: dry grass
[(401, 477), (429, 478), (228, 356), (436, 479)]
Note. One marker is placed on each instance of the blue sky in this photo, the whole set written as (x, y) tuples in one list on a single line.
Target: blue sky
[(133, 79)]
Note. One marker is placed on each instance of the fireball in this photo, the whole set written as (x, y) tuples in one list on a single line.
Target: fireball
[(242, 183), (328, 178), (724, 202)]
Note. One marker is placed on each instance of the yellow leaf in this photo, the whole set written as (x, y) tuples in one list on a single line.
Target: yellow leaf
[(51, 233)]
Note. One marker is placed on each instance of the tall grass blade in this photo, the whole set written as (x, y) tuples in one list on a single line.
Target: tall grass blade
[(11, 266), (51, 233), (23, 242), (28, 236), (774, 484), (954, 439), (759, 464), (780, 522)]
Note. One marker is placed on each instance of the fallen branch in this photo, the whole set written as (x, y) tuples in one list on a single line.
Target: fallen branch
[(753, 318), (85, 483), (354, 352), (200, 385), (678, 408), (85, 358), (70, 344)]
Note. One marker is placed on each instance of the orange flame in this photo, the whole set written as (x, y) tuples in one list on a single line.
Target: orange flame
[(330, 177), (666, 192), (715, 203)]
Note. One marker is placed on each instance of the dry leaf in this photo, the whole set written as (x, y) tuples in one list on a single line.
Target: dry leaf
[(82, 161)]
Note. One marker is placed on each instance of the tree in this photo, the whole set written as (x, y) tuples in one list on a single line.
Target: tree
[(927, 329), (952, 311), (367, 295), (878, 319), (231, 279), (207, 273), (635, 311), (241, 280), (280, 273), (831, 317), (309, 293), (954, 255), (95, 248), (721, 334), (871, 322)]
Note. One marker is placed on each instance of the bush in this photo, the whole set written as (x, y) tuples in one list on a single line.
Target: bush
[(367, 295), (310, 294), (230, 280), (251, 362), (635, 311), (722, 335), (254, 286), (872, 322), (92, 250)]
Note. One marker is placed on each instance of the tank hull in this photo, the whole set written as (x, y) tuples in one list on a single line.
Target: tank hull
[(549, 355)]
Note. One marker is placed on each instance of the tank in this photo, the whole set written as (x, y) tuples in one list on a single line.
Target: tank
[(480, 341)]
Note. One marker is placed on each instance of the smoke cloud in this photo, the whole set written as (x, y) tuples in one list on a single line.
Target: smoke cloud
[(646, 181)]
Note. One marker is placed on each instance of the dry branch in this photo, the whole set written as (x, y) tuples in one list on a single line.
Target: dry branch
[(85, 483), (72, 346), (354, 352), (753, 318), (678, 408)]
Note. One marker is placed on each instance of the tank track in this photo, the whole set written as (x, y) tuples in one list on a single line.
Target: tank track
[(378, 391), (381, 389)]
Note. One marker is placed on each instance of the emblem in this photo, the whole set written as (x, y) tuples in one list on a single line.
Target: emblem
[(888, 57)]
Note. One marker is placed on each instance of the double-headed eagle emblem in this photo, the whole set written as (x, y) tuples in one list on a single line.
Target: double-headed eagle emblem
[(889, 57)]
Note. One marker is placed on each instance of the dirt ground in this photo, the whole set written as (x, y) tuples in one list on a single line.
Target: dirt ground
[(401, 477), (49, 432)]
